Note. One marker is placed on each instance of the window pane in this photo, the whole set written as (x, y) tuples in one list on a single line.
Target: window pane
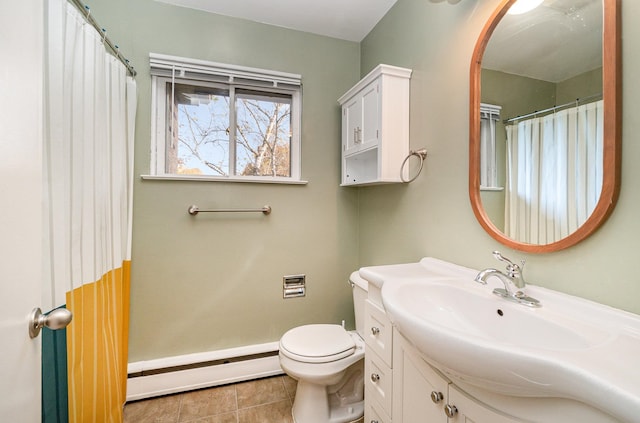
[(263, 134), (198, 130)]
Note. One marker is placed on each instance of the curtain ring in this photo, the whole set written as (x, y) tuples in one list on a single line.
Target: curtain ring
[(420, 154)]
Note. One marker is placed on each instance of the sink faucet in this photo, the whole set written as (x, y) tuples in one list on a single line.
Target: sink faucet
[(513, 281)]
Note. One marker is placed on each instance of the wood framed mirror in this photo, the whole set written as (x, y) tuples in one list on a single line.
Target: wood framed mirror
[(603, 164)]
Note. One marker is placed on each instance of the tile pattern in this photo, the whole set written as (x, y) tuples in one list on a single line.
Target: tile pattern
[(266, 400)]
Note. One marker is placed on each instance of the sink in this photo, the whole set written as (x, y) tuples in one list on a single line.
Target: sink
[(568, 348), (471, 313)]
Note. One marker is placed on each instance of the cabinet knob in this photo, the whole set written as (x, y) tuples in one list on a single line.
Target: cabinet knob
[(450, 410), (375, 377), (375, 330), (436, 397)]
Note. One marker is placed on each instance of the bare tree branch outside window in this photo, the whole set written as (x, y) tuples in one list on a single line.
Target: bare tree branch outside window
[(203, 121)]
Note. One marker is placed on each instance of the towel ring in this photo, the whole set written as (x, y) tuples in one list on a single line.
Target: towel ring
[(420, 154)]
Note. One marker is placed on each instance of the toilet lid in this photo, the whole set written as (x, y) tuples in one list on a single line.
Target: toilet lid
[(317, 343)]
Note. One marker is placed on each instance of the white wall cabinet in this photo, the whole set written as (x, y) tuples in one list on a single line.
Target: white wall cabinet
[(375, 127)]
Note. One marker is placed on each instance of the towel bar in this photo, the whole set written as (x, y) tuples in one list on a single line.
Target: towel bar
[(194, 210)]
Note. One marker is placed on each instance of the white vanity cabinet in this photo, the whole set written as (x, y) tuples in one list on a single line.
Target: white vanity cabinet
[(472, 411), (375, 127), (421, 394), (401, 387), (378, 361)]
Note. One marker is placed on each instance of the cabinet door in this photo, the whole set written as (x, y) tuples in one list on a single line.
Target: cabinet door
[(414, 382), (351, 123), (373, 413), (371, 113), (378, 332), (470, 411), (378, 381)]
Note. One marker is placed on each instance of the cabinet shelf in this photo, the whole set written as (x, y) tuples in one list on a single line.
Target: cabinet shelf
[(375, 127), (362, 148)]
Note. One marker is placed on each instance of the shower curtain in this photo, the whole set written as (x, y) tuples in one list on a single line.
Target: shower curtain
[(554, 173), (90, 106)]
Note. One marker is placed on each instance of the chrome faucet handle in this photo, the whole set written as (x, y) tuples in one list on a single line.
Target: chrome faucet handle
[(511, 266), (498, 256)]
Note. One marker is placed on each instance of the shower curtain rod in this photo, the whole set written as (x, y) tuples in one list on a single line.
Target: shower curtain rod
[(554, 108), (86, 11)]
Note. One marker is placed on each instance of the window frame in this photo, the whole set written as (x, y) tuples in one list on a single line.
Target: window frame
[(228, 77), (488, 148)]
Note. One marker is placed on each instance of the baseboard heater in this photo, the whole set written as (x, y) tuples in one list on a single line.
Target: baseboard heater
[(170, 375)]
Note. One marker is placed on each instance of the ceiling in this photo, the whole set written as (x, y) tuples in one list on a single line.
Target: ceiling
[(554, 42), (557, 40), (348, 20)]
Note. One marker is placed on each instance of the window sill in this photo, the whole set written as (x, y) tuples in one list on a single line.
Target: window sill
[(491, 188), (245, 179)]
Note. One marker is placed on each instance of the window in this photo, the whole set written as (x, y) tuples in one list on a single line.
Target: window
[(214, 122), (489, 115)]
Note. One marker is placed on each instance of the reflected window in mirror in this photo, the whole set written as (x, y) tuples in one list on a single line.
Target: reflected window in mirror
[(489, 117)]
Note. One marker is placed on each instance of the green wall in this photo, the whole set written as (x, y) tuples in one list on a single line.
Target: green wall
[(580, 86), (432, 216), (215, 281)]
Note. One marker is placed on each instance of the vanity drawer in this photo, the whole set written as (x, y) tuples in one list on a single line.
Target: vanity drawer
[(373, 412), (378, 332), (378, 381)]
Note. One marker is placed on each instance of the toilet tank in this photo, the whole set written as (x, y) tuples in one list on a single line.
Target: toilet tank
[(360, 289)]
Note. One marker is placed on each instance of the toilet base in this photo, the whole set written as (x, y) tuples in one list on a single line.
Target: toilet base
[(346, 413), (307, 408), (340, 403)]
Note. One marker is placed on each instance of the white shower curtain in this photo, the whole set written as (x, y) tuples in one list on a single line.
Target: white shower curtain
[(554, 173), (90, 107)]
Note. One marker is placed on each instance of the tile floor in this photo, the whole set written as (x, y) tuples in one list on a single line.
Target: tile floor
[(266, 400), (259, 401)]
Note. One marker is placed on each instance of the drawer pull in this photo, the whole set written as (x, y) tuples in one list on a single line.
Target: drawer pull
[(436, 397), (374, 421), (375, 377), (375, 330), (450, 410)]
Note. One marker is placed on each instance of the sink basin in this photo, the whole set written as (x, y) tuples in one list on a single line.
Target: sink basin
[(475, 313), (568, 348)]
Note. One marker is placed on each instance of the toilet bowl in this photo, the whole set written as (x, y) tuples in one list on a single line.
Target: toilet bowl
[(328, 363)]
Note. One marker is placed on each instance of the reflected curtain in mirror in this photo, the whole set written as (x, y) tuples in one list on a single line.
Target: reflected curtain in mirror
[(554, 168)]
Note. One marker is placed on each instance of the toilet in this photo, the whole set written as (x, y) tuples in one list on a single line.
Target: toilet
[(328, 363)]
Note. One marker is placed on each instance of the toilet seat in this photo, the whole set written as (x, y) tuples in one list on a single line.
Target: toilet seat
[(319, 343)]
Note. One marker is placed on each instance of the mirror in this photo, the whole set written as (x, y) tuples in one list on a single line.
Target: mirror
[(541, 100)]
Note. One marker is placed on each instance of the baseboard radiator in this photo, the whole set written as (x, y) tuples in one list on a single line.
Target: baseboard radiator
[(170, 375)]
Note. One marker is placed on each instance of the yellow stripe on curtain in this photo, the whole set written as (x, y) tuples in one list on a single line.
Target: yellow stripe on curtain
[(97, 347)]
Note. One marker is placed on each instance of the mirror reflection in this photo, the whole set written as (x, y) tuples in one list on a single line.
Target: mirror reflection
[(541, 120)]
